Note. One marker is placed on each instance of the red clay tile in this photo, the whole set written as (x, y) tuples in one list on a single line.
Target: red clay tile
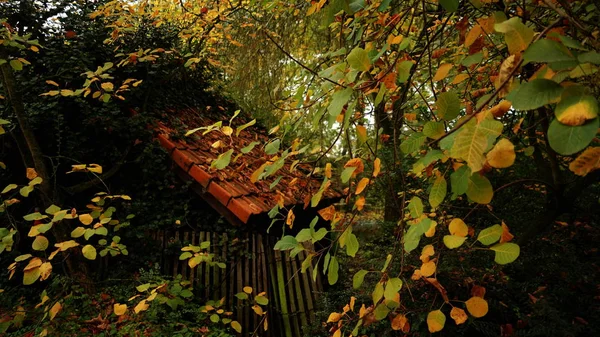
[(219, 193), (240, 209), (199, 175), (165, 143), (182, 160)]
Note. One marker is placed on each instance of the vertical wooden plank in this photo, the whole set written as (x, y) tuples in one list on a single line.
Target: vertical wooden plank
[(176, 262), (184, 266), (299, 292), (283, 302), (193, 271), (308, 290), (291, 298)]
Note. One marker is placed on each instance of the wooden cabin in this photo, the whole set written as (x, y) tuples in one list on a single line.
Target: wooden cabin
[(245, 205)]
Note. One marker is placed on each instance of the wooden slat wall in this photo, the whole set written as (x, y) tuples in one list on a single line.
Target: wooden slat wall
[(292, 294)]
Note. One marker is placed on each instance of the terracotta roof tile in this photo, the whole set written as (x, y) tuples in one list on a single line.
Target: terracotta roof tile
[(232, 186)]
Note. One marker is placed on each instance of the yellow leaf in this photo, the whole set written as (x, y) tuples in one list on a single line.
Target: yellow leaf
[(502, 155), (477, 306), (328, 170), (352, 301), (473, 35), (501, 108), (258, 310), (459, 78), (576, 110), (248, 290), (428, 268), (56, 308), (228, 131), (237, 326), (62, 246), (89, 252), (40, 243), (458, 227), (34, 49), (362, 311), (361, 133), (119, 309), (337, 333), (334, 317), (290, 219), (399, 322), (94, 168), (586, 162), (442, 72), (33, 263), (45, 270), (376, 167), (108, 86), (431, 231), (360, 203), (436, 321), (141, 306), (361, 185), (86, 219), (458, 315)]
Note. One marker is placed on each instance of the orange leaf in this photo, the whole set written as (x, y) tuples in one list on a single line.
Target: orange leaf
[(362, 184), (327, 213), (355, 162), (477, 306), (428, 268), (290, 219), (506, 235), (328, 170), (31, 173), (360, 203), (399, 323), (442, 72), (334, 317), (376, 167), (458, 315), (473, 35), (586, 162)]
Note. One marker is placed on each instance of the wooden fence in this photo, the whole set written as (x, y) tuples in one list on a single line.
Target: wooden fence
[(251, 261)]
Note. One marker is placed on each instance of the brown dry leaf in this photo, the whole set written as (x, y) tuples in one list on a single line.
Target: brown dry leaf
[(442, 72), (439, 53), (434, 282), (458, 315), (478, 291), (31, 173), (355, 162), (506, 235), (506, 69), (362, 184), (410, 116), (586, 162), (327, 213), (477, 306), (399, 323), (487, 24)]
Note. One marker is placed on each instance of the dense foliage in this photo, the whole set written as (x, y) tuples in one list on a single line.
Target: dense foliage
[(463, 133)]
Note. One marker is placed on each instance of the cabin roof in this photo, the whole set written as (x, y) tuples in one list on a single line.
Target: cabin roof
[(230, 190)]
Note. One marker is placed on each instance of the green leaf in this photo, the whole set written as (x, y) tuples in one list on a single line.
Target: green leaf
[(567, 140), (347, 173), (438, 192), (235, 325), (433, 129), (242, 127), (535, 94), (89, 252), (25, 190), (34, 216), (381, 311), (377, 292), (480, 189), (415, 207), (358, 278), (472, 59), (261, 300), (214, 318), (413, 142), (185, 256), (453, 241), (392, 287), (352, 245), (40, 243), (16, 65), (286, 243), (449, 5), (414, 233), (459, 180), (490, 235), (338, 100), (222, 160), (473, 140), (304, 235), (506, 252), (546, 51), (272, 147), (332, 271), (589, 57), (249, 147), (448, 105), (404, 70), (359, 59)]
